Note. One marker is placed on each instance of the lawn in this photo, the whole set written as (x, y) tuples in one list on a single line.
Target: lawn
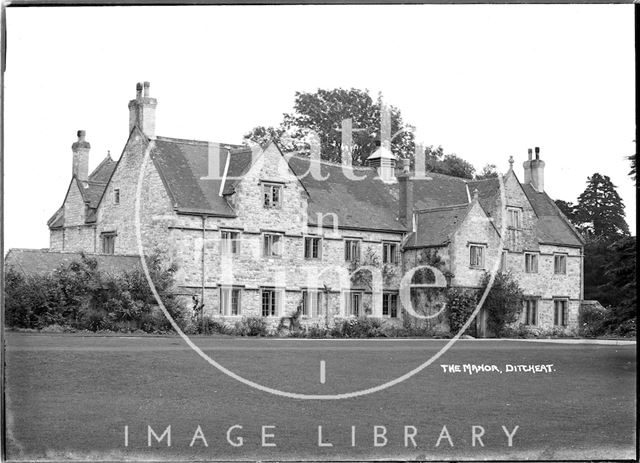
[(72, 396)]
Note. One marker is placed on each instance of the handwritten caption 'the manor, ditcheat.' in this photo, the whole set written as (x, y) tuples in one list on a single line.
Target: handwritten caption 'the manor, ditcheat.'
[(472, 369)]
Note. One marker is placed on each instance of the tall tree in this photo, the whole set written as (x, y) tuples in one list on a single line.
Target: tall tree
[(620, 272), (568, 209), (454, 165), (323, 111), (488, 171), (600, 210)]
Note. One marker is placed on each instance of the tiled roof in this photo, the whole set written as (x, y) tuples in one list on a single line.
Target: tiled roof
[(91, 191), (184, 167), (102, 173), (367, 203), (239, 162), (436, 226), (438, 190), (488, 193), (552, 226), (42, 261)]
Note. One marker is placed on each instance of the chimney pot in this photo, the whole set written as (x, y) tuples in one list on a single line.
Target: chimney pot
[(537, 152), (530, 154), (142, 111), (81, 157)]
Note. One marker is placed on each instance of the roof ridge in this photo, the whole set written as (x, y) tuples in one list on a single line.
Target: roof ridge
[(325, 162), (442, 208), (194, 142)]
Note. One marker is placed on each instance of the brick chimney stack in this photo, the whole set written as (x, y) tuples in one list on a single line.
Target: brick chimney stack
[(81, 157), (405, 203), (534, 170), (142, 111)]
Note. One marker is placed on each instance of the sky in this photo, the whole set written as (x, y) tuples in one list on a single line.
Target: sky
[(484, 81)]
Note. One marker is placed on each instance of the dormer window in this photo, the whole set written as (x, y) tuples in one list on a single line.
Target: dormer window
[(272, 194)]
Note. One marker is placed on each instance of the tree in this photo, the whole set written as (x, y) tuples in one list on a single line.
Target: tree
[(620, 272), (632, 172), (323, 111), (454, 166), (600, 210), (568, 209), (503, 303), (488, 171)]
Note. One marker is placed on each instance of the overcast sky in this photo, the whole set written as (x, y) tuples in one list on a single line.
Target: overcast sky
[(483, 81)]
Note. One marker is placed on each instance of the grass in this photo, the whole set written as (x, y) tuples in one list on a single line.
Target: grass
[(71, 396)]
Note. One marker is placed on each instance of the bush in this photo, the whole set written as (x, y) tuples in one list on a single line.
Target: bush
[(80, 296), (364, 327), (592, 320), (460, 305), (251, 326), (503, 303)]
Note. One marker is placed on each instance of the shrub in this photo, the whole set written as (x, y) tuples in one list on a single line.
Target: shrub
[(503, 303), (358, 328), (79, 295), (316, 331), (460, 305), (592, 320), (251, 326)]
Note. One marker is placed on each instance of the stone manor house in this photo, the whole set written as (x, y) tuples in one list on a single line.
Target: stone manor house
[(265, 237)]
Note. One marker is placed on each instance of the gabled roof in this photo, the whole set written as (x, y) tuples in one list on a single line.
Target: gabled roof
[(183, 166), (91, 191), (438, 190), (488, 193), (436, 226), (367, 203), (552, 226), (43, 261)]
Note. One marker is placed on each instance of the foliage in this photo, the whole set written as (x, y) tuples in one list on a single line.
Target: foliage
[(592, 321), (609, 251), (453, 165), (620, 274), (253, 326), (600, 210), (460, 305), (632, 172), (530, 331), (503, 302), (568, 209), (323, 111), (81, 296), (363, 277), (291, 321), (364, 327), (488, 171)]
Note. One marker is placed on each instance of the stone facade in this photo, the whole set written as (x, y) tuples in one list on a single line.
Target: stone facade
[(207, 266)]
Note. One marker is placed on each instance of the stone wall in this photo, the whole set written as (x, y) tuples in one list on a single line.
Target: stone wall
[(250, 268), (156, 211), (56, 239), (79, 238), (476, 229)]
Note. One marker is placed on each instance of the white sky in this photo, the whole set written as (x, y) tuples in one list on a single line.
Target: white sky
[(483, 81)]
